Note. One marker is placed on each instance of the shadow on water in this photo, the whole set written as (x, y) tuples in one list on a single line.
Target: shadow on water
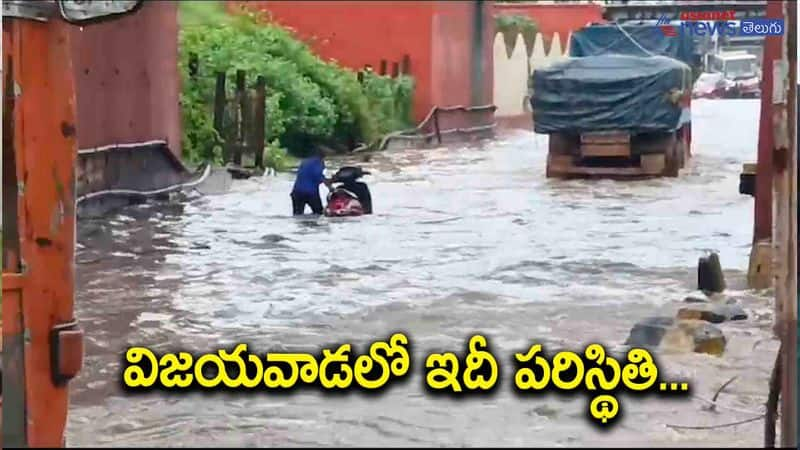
[(463, 240)]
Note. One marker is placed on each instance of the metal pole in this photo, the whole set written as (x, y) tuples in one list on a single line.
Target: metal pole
[(786, 227)]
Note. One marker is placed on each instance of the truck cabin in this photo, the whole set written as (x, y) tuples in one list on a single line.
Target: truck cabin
[(736, 66)]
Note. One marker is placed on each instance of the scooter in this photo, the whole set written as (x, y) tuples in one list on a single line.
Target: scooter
[(340, 201)]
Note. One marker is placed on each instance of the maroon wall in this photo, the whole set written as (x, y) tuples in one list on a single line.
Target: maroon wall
[(436, 35), (359, 33), (127, 80), (453, 52)]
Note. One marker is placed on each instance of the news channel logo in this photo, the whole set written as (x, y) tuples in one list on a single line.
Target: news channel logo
[(744, 27)]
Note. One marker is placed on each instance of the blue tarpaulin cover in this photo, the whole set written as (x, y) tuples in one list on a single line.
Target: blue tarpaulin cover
[(634, 40), (609, 92)]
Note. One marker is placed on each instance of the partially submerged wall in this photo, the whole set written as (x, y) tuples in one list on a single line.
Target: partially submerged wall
[(128, 96), (110, 177)]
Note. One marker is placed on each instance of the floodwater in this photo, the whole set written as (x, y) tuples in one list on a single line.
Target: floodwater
[(463, 241)]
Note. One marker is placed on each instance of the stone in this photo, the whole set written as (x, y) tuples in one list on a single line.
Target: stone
[(709, 274), (685, 334), (239, 173), (731, 311), (715, 297), (701, 311), (693, 299), (649, 332), (713, 313), (706, 337)]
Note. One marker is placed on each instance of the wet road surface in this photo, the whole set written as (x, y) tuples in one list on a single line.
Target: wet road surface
[(463, 241)]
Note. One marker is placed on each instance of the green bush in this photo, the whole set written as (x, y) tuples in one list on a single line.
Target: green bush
[(390, 100), (310, 102), (275, 157)]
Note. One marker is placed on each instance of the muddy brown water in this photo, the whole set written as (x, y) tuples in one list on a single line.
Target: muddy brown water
[(463, 241)]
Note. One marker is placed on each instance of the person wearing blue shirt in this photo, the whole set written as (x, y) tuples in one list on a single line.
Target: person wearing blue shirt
[(310, 175)]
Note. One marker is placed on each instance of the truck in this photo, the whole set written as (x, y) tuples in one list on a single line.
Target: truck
[(740, 72), (619, 106)]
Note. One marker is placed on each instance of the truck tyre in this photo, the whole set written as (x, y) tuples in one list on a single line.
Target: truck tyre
[(681, 153), (672, 160)]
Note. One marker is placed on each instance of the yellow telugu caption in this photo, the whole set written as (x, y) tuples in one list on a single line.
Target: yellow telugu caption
[(593, 371)]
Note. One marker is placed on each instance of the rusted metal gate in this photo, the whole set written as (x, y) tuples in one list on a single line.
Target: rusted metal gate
[(445, 125)]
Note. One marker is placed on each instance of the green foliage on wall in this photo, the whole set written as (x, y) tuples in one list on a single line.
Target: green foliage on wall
[(310, 102)]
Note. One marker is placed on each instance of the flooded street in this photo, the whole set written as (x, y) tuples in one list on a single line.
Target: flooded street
[(463, 241)]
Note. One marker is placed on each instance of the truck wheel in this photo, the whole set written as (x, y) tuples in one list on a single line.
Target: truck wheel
[(672, 161), (681, 153)]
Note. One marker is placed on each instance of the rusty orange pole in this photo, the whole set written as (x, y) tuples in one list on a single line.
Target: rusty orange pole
[(765, 169), (50, 350), (785, 237), (760, 272)]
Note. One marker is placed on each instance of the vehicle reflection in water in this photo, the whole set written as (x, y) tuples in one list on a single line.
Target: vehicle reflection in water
[(462, 241)]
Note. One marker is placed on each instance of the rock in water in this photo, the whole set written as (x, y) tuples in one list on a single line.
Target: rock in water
[(691, 335), (693, 299), (707, 338), (713, 313), (715, 297), (649, 332), (701, 311), (731, 311), (239, 173), (709, 274)]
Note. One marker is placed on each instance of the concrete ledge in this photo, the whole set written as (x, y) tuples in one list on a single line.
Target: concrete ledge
[(113, 176)]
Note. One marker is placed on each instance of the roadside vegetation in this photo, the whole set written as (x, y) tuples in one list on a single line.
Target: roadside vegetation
[(310, 103)]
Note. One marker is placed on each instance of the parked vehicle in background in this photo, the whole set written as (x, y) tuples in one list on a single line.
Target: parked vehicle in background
[(709, 85), (741, 72)]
